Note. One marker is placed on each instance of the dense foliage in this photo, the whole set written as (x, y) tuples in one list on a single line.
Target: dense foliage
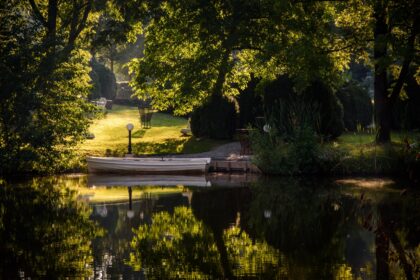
[(302, 154), (357, 106), (215, 119), (197, 49), (250, 105), (194, 50), (315, 107), (44, 84)]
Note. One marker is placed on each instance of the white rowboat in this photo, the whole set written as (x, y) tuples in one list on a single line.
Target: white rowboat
[(147, 165)]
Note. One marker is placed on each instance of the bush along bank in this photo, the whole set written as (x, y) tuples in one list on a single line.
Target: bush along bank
[(305, 153)]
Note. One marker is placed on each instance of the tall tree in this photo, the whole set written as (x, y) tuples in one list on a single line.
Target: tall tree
[(43, 82), (390, 31), (197, 49), (396, 30), (190, 51)]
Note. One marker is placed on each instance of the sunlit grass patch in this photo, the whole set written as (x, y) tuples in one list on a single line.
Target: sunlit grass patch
[(354, 142), (363, 156), (164, 136)]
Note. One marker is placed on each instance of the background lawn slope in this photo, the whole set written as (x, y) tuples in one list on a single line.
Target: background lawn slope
[(164, 137)]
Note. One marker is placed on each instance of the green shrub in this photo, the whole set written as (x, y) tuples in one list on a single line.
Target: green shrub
[(316, 107), (216, 119), (270, 153), (302, 154), (304, 151), (104, 83), (357, 106)]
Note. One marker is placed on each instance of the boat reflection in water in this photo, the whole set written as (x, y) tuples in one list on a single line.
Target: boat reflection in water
[(210, 179), (147, 180)]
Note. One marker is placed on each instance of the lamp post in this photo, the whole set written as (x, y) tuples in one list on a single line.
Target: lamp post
[(130, 127)]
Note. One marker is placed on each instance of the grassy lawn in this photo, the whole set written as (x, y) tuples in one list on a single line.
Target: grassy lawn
[(355, 142), (365, 157), (164, 136), (368, 138)]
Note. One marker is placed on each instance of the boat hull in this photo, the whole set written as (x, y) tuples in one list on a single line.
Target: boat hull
[(147, 165)]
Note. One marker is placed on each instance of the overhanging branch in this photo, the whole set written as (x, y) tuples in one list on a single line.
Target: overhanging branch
[(37, 13)]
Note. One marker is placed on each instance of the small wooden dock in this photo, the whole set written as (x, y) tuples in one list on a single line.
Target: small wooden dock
[(233, 165)]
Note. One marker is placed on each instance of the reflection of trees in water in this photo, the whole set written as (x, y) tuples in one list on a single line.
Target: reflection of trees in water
[(218, 209), (397, 235), (249, 258), (175, 246), (113, 250), (44, 232), (283, 229), (203, 242), (306, 225), (180, 246), (326, 233)]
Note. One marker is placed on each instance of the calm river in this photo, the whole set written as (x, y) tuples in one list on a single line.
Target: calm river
[(224, 227)]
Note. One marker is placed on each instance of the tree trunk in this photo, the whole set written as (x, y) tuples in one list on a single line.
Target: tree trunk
[(224, 260), (218, 86), (383, 108), (382, 252)]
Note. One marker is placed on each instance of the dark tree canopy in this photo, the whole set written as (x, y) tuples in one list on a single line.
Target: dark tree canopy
[(198, 49), (194, 50)]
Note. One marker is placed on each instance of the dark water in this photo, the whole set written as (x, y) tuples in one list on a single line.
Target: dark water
[(265, 229)]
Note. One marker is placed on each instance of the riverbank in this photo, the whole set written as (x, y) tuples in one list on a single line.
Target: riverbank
[(355, 153), (349, 155), (352, 154)]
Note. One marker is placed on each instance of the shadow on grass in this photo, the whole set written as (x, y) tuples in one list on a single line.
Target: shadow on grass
[(187, 145), (139, 133)]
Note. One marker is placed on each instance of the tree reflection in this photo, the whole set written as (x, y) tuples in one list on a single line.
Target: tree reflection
[(396, 226), (285, 229), (44, 232), (250, 258), (218, 209), (309, 223), (175, 246), (205, 242)]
